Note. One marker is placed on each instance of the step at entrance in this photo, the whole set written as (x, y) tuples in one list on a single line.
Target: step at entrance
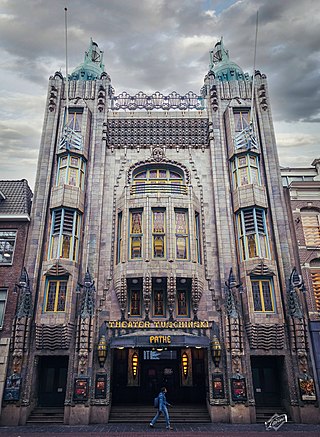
[(46, 415), (131, 413), (263, 414)]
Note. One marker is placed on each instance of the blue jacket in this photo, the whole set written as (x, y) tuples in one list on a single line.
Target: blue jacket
[(162, 400)]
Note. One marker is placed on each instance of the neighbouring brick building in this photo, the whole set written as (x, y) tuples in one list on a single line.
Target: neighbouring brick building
[(303, 201), (15, 207), (160, 254)]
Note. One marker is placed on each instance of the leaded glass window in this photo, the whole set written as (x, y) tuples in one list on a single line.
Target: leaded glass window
[(71, 171), (3, 301), (183, 286), (241, 120), (65, 233), (136, 234), (7, 245), (245, 170), (182, 234), (56, 296), (158, 233), (134, 293), (253, 237), (262, 292), (158, 294)]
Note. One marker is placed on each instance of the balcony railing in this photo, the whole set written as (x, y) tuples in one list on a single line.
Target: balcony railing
[(158, 188)]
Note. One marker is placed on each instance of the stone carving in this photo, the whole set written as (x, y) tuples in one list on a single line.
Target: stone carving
[(168, 132), (121, 293), (196, 293), (171, 296), (147, 295)]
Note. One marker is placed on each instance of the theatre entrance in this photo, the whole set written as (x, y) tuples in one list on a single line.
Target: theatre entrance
[(182, 371), (52, 381)]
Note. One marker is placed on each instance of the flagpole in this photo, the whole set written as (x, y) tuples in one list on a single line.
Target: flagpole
[(67, 79), (254, 68)]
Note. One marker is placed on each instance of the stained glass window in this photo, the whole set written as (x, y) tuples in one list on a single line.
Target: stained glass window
[(65, 233), (135, 303), (263, 300), (181, 220), (252, 231), (182, 302), (158, 233), (56, 296), (71, 171), (136, 234), (245, 170)]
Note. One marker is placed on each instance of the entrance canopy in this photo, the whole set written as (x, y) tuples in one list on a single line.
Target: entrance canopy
[(156, 338)]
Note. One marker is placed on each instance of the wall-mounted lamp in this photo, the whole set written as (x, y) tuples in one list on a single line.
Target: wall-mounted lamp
[(216, 351), (102, 350), (135, 362), (185, 364)]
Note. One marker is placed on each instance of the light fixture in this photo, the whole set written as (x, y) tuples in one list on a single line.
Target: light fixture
[(159, 349), (158, 280), (183, 280), (135, 364), (185, 364), (121, 347), (216, 351), (102, 350), (135, 281)]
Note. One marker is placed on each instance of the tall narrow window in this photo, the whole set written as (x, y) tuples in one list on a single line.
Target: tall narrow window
[(315, 277), (262, 292), (7, 245), (183, 286), (198, 238), (75, 119), (136, 234), (253, 234), (119, 238), (65, 232), (311, 227), (182, 234), (3, 301), (241, 120), (135, 292), (158, 233), (245, 169), (56, 296), (71, 171), (159, 291)]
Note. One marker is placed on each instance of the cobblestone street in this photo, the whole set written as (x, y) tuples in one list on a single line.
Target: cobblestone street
[(184, 430)]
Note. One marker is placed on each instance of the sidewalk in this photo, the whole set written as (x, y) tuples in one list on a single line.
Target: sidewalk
[(179, 430)]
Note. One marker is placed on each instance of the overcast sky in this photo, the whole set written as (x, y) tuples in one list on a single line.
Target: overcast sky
[(158, 45)]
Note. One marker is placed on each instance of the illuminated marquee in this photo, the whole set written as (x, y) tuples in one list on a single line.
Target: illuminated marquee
[(160, 339), (115, 324)]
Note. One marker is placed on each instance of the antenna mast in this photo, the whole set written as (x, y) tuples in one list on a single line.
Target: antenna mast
[(254, 68), (67, 79)]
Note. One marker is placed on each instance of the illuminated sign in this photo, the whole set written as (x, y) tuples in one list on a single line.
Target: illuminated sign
[(160, 339), (135, 324)]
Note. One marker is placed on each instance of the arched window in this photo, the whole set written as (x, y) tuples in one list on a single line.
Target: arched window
[(153, 178)]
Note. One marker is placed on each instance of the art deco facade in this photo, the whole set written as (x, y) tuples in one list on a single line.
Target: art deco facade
[(160, 254)]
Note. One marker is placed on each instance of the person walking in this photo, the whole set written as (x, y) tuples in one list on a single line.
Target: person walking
[(162, 408)]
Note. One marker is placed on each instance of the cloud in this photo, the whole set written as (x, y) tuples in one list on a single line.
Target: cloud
[(160, 45)]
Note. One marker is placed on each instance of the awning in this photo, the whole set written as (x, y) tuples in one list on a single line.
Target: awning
[(154, 339)]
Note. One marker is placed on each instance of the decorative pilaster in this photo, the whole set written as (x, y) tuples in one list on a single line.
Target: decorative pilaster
[(171, 295), (121, 293), (196, 293), (147, 295), (85, 323)]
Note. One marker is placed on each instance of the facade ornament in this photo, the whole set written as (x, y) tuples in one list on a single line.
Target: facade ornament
[(196, 293), (25, 298), (121, 293), (158, 154), (295, 282), (88, 301), (171, 295), (230, 300), (147, 295)]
